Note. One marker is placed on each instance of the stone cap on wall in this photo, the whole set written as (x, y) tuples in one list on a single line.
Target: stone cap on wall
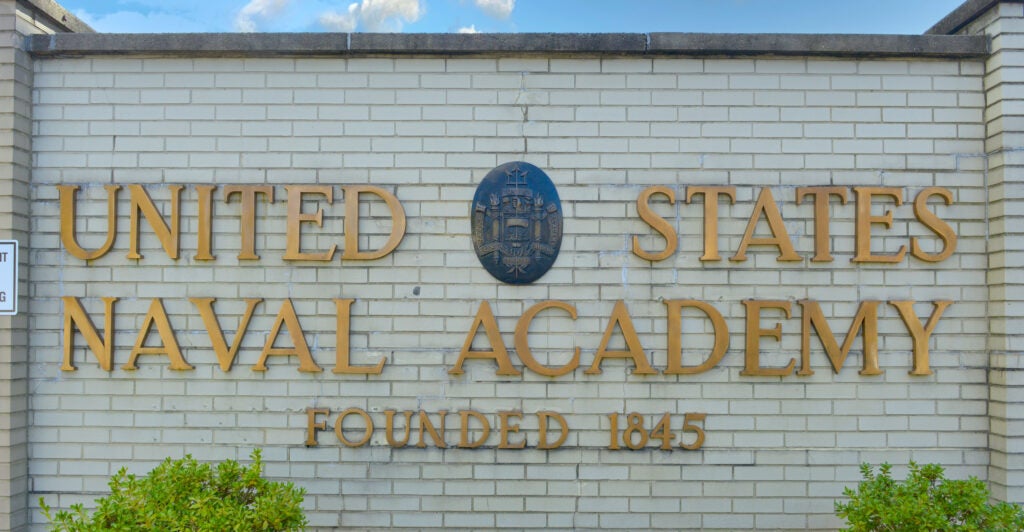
[(964, 15), (53, 15), (628, 44)]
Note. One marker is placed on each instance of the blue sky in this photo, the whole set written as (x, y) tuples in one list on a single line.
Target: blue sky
[(719, 16)]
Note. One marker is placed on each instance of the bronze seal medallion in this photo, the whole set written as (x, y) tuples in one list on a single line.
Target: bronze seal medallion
[(516, 219)]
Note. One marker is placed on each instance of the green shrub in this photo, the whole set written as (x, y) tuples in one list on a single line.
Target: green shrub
[(187, 495), (925, 501)]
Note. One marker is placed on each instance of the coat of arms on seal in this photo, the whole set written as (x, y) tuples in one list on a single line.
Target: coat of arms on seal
[(517, 223)]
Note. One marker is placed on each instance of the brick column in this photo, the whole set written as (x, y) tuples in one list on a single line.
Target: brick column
[(1004, 118), (15, 174)]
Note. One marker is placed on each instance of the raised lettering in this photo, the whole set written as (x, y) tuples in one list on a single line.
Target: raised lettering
[(342, 356), (293, 233), (287, 317), (67, 222), (225, 355), (620, 316), (822, 233), (247, 195), (936, 224), (865, 219), (675, 333), (754, 334), (167, 235), (523, 346), (352, 251), (643, 209), (74, 315), (918, 334), (866, 320), (780, 238), (485, 318), (711, 216), (158, 316)]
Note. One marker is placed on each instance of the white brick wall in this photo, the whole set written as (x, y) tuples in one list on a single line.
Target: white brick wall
[(1003, 24), (778, 451)]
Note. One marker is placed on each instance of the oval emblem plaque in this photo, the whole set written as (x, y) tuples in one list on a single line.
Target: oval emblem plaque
[(516, 221)]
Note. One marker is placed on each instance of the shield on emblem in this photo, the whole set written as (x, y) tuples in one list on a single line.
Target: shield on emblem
[(516, 219)]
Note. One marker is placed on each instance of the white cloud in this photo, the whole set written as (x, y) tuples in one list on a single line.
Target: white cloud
[(246, 19), (135, 22), (343, 22), (470, 29), (374, 15), (496, 8)]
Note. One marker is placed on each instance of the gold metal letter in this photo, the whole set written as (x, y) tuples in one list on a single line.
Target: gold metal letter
[(293, 236), (67, 222), (484, 317), (780, 238), (168, 236), (711, 216), (247, 195), (352, 222), (157, 315), (867, 317), (437, 436), (936, 224), (204, 234), (506, 428), (865, 219), (675, 333), (635, 351), (754, 334), (485, 429), (312, 424), (389, 430), (342, 360), (225, 355), (523, 346), (542, 419), (821, 195), (74, 315), (643, 208), (287, 317), (367, 430), (920, 335)]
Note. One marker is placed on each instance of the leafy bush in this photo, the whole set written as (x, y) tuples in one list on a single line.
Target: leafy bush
[(925, 501), (187, 495)]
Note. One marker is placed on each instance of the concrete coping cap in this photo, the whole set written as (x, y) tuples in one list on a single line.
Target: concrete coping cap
[(582, 44), (963, 15)]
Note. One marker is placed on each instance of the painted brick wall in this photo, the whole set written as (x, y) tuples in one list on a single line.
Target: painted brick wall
[(1004, 24), (778, 450), (15, 174)]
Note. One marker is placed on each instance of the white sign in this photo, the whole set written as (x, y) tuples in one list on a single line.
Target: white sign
[(8, 277)]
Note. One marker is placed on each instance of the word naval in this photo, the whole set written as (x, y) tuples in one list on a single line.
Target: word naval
[(864, 324)]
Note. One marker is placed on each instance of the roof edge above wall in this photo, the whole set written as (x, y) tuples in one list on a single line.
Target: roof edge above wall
[(405, 44), (56, 13), (964, 15)]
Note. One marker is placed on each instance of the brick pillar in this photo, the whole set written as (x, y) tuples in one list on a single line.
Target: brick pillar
[(1004, 117), (15, 173)]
